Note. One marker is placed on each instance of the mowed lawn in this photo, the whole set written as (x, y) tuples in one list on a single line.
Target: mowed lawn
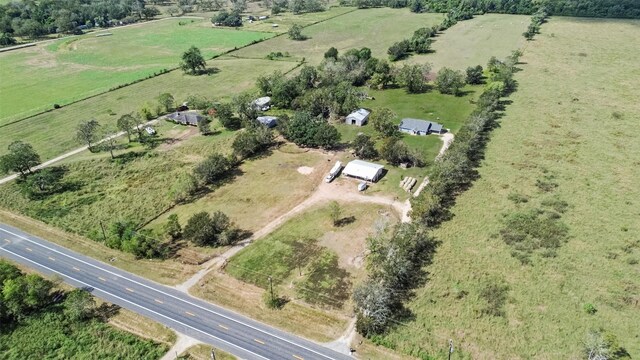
[(573, 122), (473, 42), (53, 133), (376, 29), (36, 78)]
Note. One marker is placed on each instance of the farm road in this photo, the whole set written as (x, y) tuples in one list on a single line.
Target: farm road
[(73, 152), (340, 190)]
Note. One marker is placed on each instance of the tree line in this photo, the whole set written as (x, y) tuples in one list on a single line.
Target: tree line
[(582, 8), (397, 256), (39, 320), (33, 19)]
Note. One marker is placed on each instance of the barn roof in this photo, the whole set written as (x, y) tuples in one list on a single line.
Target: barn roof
[(362, 169)]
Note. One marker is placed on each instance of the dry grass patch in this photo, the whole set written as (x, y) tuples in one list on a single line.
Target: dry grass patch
[(203, 352), (247, 299)]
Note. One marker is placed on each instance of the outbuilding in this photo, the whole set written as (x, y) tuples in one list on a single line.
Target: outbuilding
[(358, 117), (186, 118), (364, 170), (268, 121), (263, 103), (420, 127)]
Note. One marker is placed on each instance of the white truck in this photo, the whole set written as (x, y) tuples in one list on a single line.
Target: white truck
[(335, 170)]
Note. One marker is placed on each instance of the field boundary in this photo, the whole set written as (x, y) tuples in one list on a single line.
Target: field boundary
[(162, 71)]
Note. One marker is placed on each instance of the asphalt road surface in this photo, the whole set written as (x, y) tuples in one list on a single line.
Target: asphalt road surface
[(224, 329)]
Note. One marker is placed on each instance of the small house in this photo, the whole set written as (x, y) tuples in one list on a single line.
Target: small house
[(364, 170), (263, 103), (268, 121), (358, 117), (185, 118), (420, 127)]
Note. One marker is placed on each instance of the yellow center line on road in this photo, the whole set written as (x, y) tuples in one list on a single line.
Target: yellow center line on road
[(258, 341), (52, 259), (190, 313), (28, 249), (158, 301), (76, 269), (7, 240), (129, 289), (224, 327), (298, 357), (101, 278)]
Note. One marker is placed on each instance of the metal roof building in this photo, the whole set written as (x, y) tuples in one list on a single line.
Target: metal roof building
[(358, 117), (364, 170), (268, 121), (419, 127), (186, 118)]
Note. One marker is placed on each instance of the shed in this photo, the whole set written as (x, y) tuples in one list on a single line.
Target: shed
[(263, 103), (363, 170), (358, 117), (185, 118), (420, 127), (268, 121)]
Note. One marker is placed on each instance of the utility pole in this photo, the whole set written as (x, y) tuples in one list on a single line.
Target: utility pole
[(271, 287), (104, 235), (450, 348)]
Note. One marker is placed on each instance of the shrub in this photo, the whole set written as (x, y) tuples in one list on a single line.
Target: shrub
[(589, 308)]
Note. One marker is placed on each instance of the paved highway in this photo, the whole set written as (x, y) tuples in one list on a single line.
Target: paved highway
[(224, 329)]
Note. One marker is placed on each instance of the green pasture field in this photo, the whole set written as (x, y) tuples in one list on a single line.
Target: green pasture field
[(36, 78), (286, 19), (376, 29), (473, 42), (52, 133), (572, 124)]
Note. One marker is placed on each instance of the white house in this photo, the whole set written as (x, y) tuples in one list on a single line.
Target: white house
[(358, 117), (263, 103), (363, 170)]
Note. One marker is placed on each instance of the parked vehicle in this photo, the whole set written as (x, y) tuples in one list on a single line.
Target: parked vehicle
[(362, 186), (335, 170)]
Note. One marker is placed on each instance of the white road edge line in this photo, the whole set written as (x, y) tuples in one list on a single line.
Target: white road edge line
[(134, 304), (172, 296)]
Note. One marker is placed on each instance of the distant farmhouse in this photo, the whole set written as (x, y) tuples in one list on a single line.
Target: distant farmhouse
[(364, 170), (268, 121), (420, 127), (185, 118), (358, 117)]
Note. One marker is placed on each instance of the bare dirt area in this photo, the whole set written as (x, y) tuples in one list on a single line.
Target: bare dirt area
[(305, 170), (176, 137)]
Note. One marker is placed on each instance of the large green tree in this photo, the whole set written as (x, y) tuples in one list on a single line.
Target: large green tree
[(212, 169), (87, 132), (21, 158), (450, 81), (193, 62), (79, 305)]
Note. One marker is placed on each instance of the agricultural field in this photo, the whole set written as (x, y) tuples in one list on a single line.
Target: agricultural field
[(287, 19), (568, 146), (473, 42), (86, 65), (376, 29), (266, 188), (52, 133)]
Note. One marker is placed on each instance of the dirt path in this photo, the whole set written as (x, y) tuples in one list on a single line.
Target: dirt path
[(182, 343), (447, 140), (72, 152), (339, 190)]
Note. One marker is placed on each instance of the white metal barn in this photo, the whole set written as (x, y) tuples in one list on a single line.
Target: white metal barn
[(363, 170)]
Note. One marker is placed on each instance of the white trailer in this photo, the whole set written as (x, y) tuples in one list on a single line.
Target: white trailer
[(335, 170)]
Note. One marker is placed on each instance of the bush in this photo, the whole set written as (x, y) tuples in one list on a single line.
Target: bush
[(589, 308), (204, 229), (212, 169)]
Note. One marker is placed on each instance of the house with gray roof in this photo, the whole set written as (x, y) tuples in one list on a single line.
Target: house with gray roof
[(185, 118), (268, 121), (420, 127), (358, 117)]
